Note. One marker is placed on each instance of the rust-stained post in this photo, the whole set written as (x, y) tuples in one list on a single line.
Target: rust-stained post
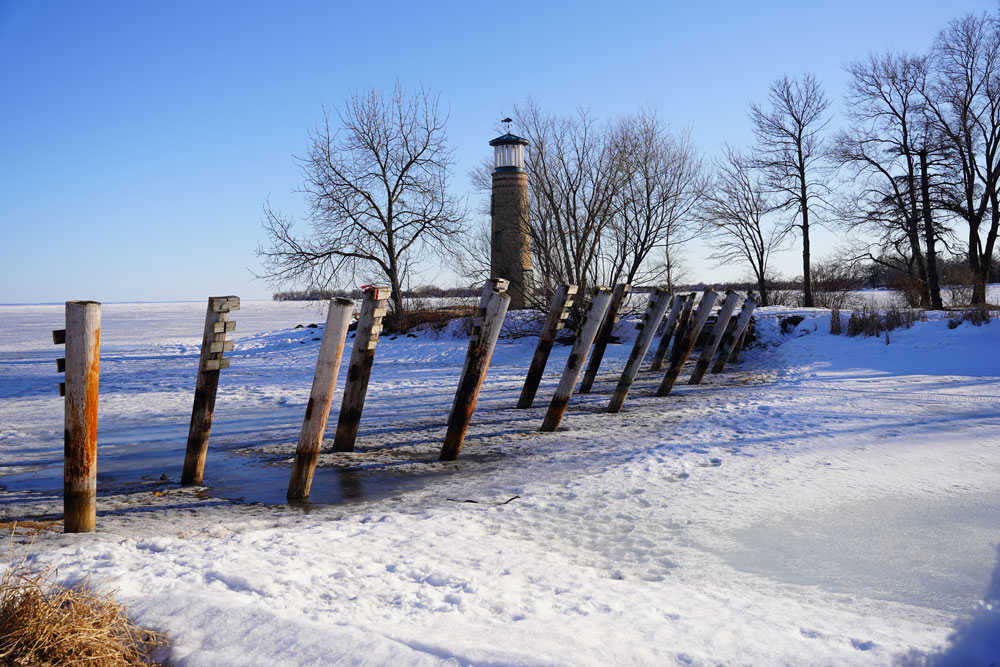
[(210, 363), (558, 311), (658, 302), (712, 344), (683, 346), (730, 339), (577, 357), (679, 313), (331, 349), (360, 369), (604, 336), (82, 366), (485, 332)]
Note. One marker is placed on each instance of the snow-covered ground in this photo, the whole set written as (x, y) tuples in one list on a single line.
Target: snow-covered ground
[(826, 500)]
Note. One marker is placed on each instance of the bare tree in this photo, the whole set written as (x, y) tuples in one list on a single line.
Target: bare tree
[(882, 148), (377, 191), (736, 215), (964, 100), (573, 173), (789, 149), (662, 178)]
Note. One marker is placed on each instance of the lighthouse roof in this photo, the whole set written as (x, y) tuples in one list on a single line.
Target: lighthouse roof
[(509, 139)]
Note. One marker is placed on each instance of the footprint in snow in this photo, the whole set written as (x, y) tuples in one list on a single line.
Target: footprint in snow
[(711, 463), (862, 646)]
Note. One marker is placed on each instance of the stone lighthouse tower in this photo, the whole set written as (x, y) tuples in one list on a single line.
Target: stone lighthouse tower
[(510, 255)]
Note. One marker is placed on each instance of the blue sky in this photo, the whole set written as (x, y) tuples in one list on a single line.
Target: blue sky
[(138, 140)]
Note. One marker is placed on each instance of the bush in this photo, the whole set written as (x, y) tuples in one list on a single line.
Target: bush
[(45, 623), (869, 321)]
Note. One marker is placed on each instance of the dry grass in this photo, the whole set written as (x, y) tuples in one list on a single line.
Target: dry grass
[(45, 623), (870, 321)]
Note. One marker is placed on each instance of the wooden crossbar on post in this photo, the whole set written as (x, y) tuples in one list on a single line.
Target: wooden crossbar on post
[(558, 311), (577, 357), (604, 336), (679, 313), (210, 363), (682, 348), (730, 339), (82, 365), (485, 331), (331, 350), (718, 331), (659, 300), (360, 368)]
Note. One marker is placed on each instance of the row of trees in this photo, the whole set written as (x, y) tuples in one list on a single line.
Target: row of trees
[(914, 170)]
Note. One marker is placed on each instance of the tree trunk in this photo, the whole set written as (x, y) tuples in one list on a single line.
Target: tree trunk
[(933, 285), (807, 288), (913, 235)]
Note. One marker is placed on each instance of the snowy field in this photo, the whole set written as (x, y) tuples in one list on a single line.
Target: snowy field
[(825, 501)]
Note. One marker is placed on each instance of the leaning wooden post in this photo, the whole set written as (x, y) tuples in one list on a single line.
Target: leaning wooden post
[(210, 363), (558, 311), (577, 357), (658, 302), (360, 369), (682, 348), (82, 366), (485, 332), (331, 350), (604, 336), (679, 312), (741, 344), (730, 339), (718, 331)]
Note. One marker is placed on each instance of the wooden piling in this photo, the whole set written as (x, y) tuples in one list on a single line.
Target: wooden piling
[(485, 332), (604, 336), (659, 300), (360, 369), (730, 339), (683, 346), (558, 311), (210, 363), (82, 366), (718, 331), (680, 311), (741, 344), (577, 357), (331, 350)]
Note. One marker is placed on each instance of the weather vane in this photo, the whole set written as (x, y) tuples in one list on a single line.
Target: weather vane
[(508, 121)]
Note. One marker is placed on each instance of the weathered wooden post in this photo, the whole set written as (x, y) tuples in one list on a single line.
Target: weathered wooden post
[(730, 339), (718, 331), (658, 302), (741, 344), (331, 350), (682, 348), (210, 363), (604, 336), (82, 366), (577, 357), (679, 313), (485, 332), (360, 369), (558, 311)]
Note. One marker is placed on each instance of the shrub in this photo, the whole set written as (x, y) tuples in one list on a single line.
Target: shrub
[(45, 623)]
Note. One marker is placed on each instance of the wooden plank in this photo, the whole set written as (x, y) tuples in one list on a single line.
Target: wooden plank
[(224, 304), (659, 301), (221, 346), (577, 358), (331, 350), (477, 362), (83, 365), (718, 331), (558, 311), (683, 346), (206, 388), (360, 368), (223, 327), (679, 311), (61, 365), (730, 338), (604, 336), (59, 337)]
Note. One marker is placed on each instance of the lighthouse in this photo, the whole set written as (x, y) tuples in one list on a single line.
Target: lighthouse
[(510, 245)]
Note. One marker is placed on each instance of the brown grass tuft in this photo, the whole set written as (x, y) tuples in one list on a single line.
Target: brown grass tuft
[(45, 623)]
